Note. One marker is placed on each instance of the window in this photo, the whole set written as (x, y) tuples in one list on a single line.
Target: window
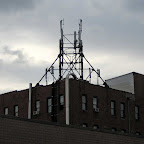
[(137, 112), (84, 103), (138, 133), (95, 102), (84, 125), (114, 129), (122, 108), (38, 105), (16, 110), (49, 105), (6, 111), (123, 131), (113, 108), (95, 127), (61, 100)]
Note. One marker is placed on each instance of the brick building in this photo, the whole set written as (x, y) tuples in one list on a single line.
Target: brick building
[(92, 106), (117, 107), (132, 82)]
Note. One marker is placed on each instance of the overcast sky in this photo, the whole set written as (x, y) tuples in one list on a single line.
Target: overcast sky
[(113, 37)]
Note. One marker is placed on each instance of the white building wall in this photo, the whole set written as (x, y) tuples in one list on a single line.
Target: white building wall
[(124, 83)]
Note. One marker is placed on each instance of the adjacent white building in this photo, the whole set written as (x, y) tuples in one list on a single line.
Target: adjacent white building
[(123, 82)]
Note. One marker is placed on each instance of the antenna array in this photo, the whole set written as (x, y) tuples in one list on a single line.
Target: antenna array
[(71, 57)]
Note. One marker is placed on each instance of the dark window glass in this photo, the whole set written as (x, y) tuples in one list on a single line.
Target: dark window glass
[(6, 111), (16, 110), (61, 100), (113, 108), (49, 105), (84, 125), (138, 133), (123, 131), (137, 112), (95, 127), (38, 105), (84, 102), (95, 102), (122, 108), (114, 129)]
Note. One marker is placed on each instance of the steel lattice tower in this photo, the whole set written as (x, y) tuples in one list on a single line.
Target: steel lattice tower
[(71, 57)]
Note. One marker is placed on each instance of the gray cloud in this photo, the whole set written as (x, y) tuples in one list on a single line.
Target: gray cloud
[(23, 69), (109, 29), (16, 5), (135, 5), (114, 34), (18, 53)]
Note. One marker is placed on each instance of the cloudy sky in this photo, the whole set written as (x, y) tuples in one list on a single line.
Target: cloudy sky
[(113, 37)]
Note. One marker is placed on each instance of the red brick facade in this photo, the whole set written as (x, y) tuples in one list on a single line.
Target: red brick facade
[(103, 119)]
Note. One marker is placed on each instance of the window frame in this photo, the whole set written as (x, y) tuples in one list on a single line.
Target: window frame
[(6, 108), (137, 133), (36, 106), (16, 111), (95, 105), (49, 106), (137, 114), (84, 103), (123, 131), (114, 129), (84, 125), (61, 100), (122, 110), (95, 127), (113, 108)]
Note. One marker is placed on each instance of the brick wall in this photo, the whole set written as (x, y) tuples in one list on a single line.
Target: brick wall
[(77, 117), (103, 118), (21, 131)]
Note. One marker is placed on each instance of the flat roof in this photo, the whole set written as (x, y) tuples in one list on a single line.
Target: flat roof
[(125, 75)]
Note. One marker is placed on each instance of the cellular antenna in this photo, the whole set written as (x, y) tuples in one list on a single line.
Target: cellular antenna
[(71, 53), (71, 56)]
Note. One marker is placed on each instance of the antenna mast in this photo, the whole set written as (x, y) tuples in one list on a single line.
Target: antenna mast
[(71, 53), (71, 57)]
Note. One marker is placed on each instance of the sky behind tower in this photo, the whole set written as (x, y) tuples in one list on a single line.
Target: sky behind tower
[(112, 35)]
